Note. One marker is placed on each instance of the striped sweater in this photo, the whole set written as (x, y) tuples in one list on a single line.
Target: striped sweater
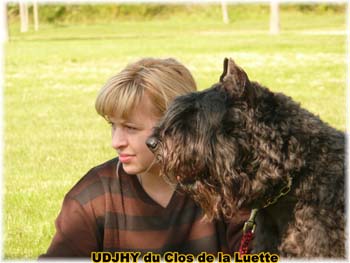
[(106, 212)]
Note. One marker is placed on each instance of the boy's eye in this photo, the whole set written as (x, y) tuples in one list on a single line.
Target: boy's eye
[(111, 124), (129, 127)]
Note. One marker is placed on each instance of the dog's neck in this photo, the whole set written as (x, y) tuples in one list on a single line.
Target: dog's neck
[(272, 222), (275, 164), (274, 198)]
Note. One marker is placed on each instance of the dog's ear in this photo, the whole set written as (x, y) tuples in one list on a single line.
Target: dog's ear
[(234, 78), (225, 70)]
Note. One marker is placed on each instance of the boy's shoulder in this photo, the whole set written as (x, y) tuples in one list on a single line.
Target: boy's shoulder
[(97, 181)]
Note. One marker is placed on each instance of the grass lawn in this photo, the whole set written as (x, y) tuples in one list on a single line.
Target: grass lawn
[(53, 135)]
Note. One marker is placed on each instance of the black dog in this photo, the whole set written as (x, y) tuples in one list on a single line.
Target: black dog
[(238, 145)]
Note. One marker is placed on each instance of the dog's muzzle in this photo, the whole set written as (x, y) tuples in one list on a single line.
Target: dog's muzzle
[(152, 143)]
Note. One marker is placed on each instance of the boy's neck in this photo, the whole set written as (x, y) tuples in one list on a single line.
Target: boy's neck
[(155, 186)]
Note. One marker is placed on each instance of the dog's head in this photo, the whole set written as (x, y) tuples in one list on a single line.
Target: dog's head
[(206, 145)]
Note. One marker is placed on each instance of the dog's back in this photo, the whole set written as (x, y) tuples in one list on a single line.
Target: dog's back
[(309, 221)]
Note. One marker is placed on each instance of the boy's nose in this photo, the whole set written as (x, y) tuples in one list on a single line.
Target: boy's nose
[(118, 139)]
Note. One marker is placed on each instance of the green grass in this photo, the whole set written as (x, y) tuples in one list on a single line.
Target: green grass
[(53, 135)]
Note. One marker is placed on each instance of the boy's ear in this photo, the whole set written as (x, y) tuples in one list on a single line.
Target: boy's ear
[(234, 79)]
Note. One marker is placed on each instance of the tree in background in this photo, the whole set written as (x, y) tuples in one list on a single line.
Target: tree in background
[(274, 17), (224, 12), (24, 16)]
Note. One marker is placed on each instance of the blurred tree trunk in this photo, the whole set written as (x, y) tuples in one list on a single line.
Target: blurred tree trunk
[(23, 12), (224, 12), (36, 16), (274, 17), (5, 33)]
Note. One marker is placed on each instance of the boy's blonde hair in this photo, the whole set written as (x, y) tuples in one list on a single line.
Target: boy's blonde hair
[(161, 79)]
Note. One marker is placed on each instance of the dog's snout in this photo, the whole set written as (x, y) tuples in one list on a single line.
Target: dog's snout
[(152, 143)]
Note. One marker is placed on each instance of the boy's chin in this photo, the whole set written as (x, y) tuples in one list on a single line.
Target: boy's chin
[(130, 168)]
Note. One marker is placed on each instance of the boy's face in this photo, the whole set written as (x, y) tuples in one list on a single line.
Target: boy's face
[(129, 137)]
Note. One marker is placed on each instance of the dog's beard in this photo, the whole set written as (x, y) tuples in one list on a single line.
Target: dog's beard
[(201, 187), (202, 164), (196, 173), (210, 199)]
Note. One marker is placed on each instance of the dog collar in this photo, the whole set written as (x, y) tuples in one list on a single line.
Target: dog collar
[(248, 231), (250, 225)]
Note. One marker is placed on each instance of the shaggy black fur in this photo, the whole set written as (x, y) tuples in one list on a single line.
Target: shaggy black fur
[(238, 145)]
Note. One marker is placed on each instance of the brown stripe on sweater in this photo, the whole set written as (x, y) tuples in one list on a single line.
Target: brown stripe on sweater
[(103, 185), (134, 207), (140, 223), (105, 170), (99, 181)]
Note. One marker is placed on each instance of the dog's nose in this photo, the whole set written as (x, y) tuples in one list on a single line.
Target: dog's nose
[(152, 143)]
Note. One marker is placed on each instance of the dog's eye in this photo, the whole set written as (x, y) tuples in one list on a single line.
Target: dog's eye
[(188, 181)]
